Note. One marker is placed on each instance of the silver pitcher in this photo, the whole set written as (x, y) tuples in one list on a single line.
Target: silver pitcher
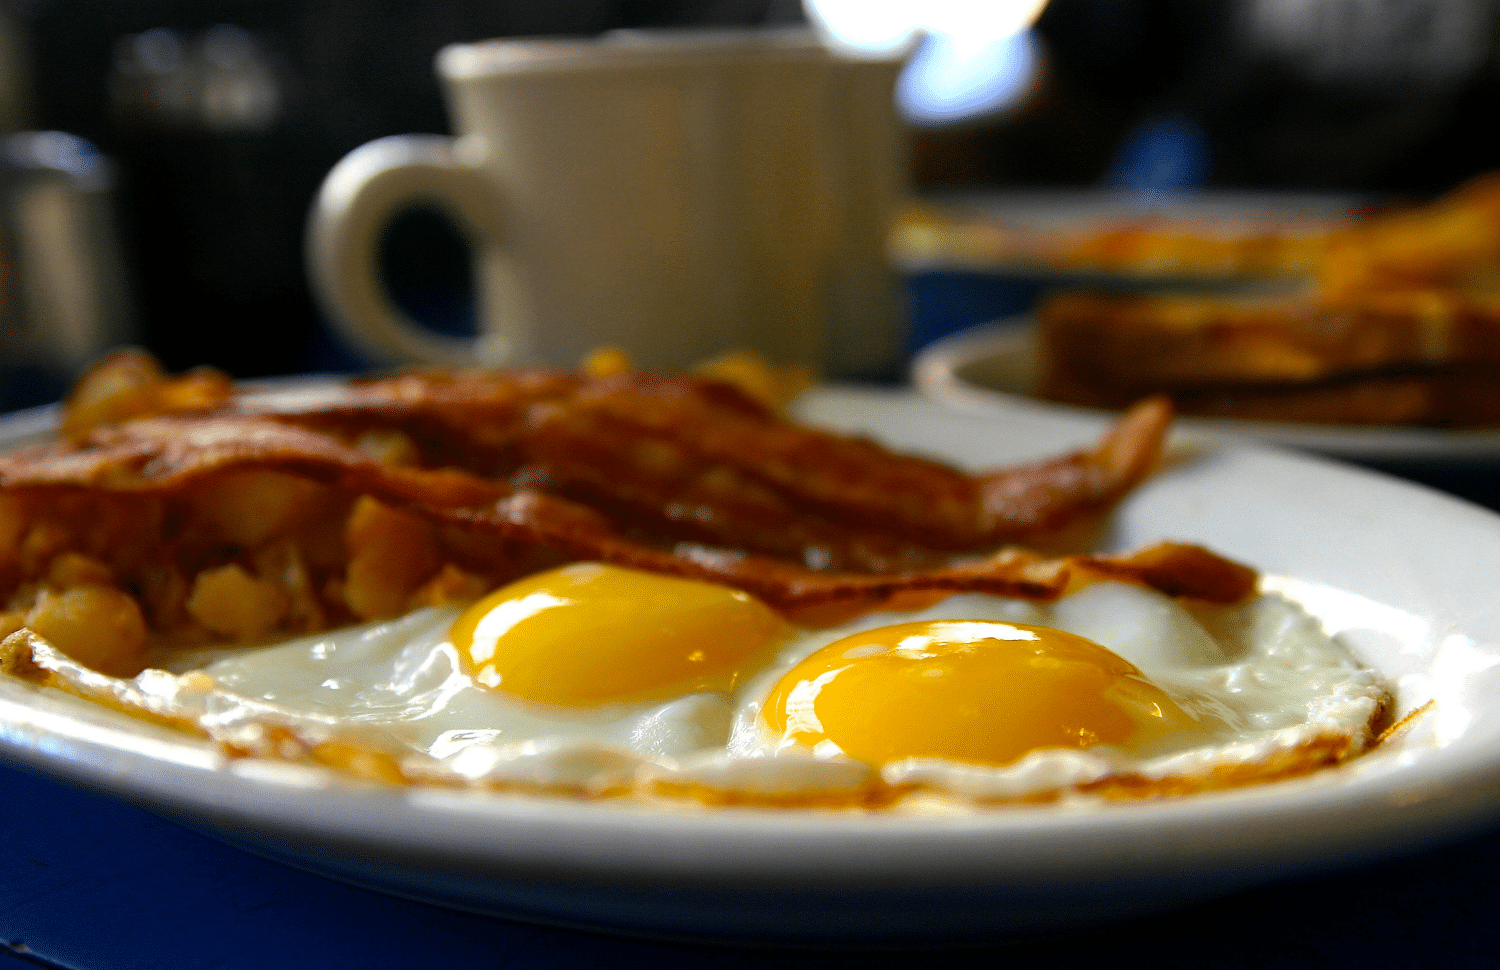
[(64, 297)]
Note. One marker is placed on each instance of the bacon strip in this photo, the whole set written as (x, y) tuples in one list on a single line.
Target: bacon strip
[(668, 439), (168, 455), (685, 459), (680, 458)]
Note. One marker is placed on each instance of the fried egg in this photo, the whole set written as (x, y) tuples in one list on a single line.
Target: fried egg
[(592, 679)]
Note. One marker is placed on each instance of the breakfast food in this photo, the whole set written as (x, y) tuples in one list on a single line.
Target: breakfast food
[(1453, 243), (420, 484), (1150, 244), (1427, 357), (1400, 327), (774, 386), (596, 681), (642, 585)]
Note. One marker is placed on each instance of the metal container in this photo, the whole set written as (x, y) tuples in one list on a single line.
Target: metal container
[(64, 298)]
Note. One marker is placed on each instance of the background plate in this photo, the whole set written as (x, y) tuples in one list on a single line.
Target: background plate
[(991, 369), (1391, 568)]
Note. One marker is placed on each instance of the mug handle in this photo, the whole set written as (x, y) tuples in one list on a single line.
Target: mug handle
[(358, 198)]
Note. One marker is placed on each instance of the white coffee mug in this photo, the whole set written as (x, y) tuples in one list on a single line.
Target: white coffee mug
[(675, 194)]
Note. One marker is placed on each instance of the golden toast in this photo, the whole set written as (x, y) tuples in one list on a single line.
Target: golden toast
[(1400, 326), (1395, 357)]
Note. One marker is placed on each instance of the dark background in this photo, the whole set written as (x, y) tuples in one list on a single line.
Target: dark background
[(1386, 96), (1275, 94)]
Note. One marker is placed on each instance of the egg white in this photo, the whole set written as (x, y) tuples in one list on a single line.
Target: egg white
[(1264, 668), (403, 680)]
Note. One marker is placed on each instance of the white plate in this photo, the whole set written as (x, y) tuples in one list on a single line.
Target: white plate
[(1402, 574), (991, 369)]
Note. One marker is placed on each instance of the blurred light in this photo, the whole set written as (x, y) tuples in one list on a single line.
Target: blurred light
[(221, 80), (862, 26), (972, 57), (949, 81), (158, 50)]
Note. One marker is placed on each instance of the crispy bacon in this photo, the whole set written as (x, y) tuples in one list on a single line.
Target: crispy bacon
[(166, 456), (512, 472), (681, 458), (669, 457)]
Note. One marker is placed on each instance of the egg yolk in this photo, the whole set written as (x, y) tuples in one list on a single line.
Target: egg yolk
[(969, 690), (590, 634)]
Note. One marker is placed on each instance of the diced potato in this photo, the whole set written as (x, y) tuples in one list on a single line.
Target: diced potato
[(607, 362), (391, 553), (131, 384), (390, 447), (282, 564), (43, 541), (118, 532), (99, 626), (247, 508), (450, 587), (199, 389), (69, 569), (121, 387), (232, 603), (771, 385)]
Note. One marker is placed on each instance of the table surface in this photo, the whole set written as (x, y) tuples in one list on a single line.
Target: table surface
[(94, 884), (91, 883)]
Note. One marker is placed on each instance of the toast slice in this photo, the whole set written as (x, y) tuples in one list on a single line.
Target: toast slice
[(1452, 242), (1367, 357)]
